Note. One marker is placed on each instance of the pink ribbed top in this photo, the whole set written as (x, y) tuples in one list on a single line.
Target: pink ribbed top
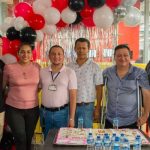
[(23, 85)]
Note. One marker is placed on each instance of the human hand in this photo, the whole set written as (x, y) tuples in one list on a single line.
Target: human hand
[(97, 115), (141, 120), (71, 123)]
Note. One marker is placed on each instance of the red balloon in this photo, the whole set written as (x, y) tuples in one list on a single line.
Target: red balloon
[(5, 45), (88, 22), (60, 4), (14, 47), (36, 21), (113, 4), (61, 24), (24, 10), (87, 12)]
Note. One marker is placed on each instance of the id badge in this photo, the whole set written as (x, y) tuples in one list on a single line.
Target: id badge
[(52, 87)]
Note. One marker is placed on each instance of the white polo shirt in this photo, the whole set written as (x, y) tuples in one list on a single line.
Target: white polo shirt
[(64, 81)]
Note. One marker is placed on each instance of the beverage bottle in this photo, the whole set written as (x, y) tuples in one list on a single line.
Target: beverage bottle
[(106, 143), (116, 144), (137, 143), (113, 137), (115, 123), (125, 144), (90, 141), (80, 122), (98, 143), (122, 137)]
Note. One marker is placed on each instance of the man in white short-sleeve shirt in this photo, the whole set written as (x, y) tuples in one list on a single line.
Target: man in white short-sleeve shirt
[(90, 80), (59, 85)]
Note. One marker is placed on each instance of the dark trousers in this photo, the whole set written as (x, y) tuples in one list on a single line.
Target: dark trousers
[(108, 125), (22, 123)]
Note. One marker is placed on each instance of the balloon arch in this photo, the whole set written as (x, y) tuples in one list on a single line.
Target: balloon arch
[(49, 22)]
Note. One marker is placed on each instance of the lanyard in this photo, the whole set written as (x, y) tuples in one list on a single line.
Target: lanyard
[(54, 78)]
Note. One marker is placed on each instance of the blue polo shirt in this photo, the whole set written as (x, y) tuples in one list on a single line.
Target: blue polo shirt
[(122, 94)]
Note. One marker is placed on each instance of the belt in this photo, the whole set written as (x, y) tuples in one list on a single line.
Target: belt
[(55, 108), (82, 103)]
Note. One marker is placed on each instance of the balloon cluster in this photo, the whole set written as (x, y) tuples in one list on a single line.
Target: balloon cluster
[(31, 22)]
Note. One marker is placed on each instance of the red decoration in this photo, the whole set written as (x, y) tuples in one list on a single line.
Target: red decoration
[(88, 22), (61, 24), (24, 10), (36, 21), (87, 11), (14, 47), (34, 54), (113, 3), (60, 4), (5, 45)]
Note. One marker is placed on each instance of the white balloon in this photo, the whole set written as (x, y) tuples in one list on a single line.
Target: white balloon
[(68, 16), (128, 2), (40, 35), (8, 58), (103, 17), (38, 8), (49, 29), (4, 27), (45, 3), (19, 23), (8, 20), (52, 15), (133, 17)]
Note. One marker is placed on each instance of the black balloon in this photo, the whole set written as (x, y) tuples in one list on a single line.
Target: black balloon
[(78, 19), (28, 35), (96, 3), (12, 34), (76, 5)]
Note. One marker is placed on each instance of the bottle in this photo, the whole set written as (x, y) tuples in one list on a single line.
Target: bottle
[(116, 144), (125, 144), (122, 137), (98, 143), (113, 138), (90, 141), (106, 143), (80, 122), (137, 143), (115, 123)]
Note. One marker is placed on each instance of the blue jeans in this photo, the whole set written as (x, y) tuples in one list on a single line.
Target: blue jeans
[(86, 111), (53, 120)]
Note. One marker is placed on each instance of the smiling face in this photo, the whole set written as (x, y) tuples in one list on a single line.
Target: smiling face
[(25, 54), (82, 50), (56, 56), (122, 57)]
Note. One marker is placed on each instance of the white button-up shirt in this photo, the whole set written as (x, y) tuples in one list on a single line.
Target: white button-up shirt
[(88, 76)]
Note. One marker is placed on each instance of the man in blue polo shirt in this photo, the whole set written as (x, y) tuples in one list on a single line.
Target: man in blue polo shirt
[(122, 81)]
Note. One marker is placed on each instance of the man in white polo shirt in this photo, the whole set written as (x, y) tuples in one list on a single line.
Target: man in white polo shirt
[(59, 86)]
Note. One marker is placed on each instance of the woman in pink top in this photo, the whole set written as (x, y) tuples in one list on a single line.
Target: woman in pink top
[(22, 109)]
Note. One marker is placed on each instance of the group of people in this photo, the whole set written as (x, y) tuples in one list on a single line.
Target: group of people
[(69, 92)]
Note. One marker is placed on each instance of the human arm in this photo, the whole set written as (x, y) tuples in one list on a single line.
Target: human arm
[(99, 92), (73, 96), (146, 104)]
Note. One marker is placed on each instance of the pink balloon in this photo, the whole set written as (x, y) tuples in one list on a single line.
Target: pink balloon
[(36, 21), (113, 3), (23, 9)]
